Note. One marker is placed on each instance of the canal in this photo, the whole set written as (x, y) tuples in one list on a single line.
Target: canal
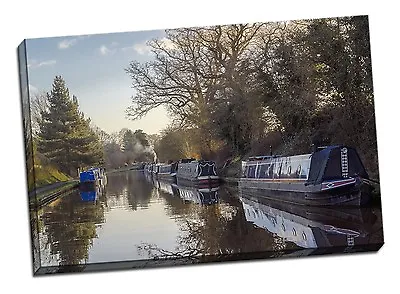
[(136, 221)]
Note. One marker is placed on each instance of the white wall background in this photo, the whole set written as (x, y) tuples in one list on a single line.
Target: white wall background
[(361, 273)]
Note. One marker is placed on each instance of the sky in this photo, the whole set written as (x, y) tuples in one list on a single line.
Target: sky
[(93, 67)]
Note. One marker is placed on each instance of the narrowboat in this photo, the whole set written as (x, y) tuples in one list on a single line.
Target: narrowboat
[(148, 168), (331, 175), (167, 171), (92, 176), (154, 169), (139, 166), (197, 172)]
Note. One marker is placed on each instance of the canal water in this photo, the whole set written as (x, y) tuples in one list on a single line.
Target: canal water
[(141, 221)]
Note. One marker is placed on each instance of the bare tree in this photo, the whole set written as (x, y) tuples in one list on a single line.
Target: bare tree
[(39, 104), (190, 66)]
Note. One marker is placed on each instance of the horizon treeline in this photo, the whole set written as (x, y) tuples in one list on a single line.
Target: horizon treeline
[(65, 141), (235, 90)]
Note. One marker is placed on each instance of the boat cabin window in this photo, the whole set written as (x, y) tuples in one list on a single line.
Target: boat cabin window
[(277, 169), (251, 171), (333, 169), (264, 170)]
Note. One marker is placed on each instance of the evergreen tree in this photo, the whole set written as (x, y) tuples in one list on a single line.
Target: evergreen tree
[(128, 144), (141, 138), (128, 141), (65, 136)]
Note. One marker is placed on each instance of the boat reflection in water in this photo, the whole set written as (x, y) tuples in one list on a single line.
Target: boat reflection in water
[(90, 193), (200, 195), (319, 230)]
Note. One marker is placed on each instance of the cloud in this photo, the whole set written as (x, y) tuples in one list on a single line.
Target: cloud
[(140, 48), (33, 89), (35, 64), (67, 43), (144, 49), (108, 50), (104, 50)]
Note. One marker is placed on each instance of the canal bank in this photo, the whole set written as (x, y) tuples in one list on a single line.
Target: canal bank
[(44, 195)]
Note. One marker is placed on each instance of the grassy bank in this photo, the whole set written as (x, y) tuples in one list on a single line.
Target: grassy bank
[(45, 175)]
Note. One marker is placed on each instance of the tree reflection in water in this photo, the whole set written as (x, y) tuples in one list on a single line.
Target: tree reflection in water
[(189, 249), (169, 225), (70, 227), (214, 232), (133, 185)]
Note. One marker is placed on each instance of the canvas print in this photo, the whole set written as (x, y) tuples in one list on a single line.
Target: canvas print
[(201, 144)]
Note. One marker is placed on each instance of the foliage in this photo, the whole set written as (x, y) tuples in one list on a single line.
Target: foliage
[(136, 146), (174, 145), (71, 222), (65, 136), (285, 84), (43, 172), (125, 147)]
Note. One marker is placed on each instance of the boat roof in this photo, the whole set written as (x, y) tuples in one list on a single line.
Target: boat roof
[(187, 160), (262, 157), (265, 157)]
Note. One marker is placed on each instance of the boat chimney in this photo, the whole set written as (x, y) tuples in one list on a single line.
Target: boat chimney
[(316, 142), (314, 148)]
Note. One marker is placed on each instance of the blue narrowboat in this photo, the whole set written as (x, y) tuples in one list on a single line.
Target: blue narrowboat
[(92, 176)]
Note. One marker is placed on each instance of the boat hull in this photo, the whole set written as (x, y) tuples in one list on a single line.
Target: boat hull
[(170, 177), (353, 193), (203, 181)]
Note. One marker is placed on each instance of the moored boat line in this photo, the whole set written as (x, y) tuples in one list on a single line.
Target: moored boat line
[(332, 175), (189, 171)]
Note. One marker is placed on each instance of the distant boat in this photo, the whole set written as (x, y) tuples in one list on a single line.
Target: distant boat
[(139, 166), (92, 184), (332, 175), (197, 172), (148, 168), (167, 171), (93, 176)]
